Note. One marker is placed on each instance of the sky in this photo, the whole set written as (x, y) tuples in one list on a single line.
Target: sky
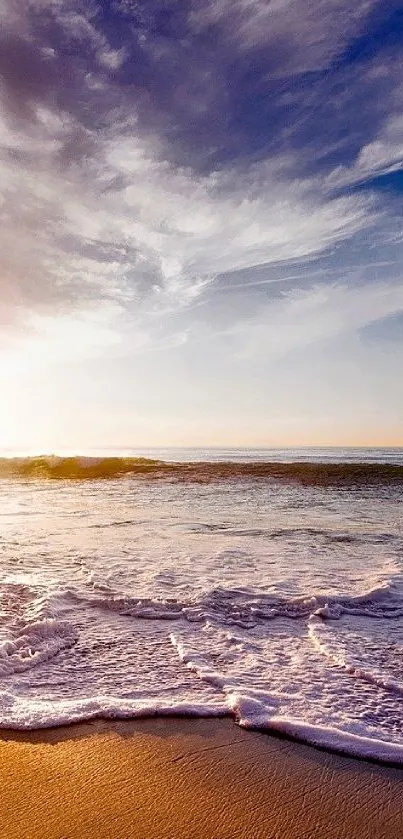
[(201, 234)]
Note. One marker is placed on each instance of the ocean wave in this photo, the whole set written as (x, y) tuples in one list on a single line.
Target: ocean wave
[(306, 473), (21, 714), (325, 737), (262, 710), (251, 713), (33, 643), (241, 607), (281, 664), (359, 661), (318, 534), (31, 631)]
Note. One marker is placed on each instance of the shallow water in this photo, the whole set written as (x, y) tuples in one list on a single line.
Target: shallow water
[(277, 602)]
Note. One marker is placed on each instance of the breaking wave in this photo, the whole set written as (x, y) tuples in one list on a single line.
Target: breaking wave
[(305, 473)]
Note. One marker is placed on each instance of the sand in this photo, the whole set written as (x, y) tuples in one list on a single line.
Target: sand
[(172, 778)]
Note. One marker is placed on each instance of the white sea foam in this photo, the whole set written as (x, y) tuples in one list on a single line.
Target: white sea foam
[(279, 605), (30, 644), (361, 657)]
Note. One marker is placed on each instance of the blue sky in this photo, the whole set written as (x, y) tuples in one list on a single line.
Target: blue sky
[(201, 229)]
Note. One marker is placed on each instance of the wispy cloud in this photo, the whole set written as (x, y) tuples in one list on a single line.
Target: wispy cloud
[(316, 314), (307, 35), (121, 223)]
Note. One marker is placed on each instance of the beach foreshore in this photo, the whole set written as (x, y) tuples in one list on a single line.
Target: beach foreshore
[(170, 778)]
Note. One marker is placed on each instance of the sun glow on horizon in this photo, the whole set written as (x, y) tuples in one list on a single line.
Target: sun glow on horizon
[(51, 404)]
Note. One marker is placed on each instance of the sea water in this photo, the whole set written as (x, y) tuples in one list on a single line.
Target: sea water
[(275, 601)]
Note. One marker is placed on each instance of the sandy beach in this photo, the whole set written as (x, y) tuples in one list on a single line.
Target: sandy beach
[(207, 779)]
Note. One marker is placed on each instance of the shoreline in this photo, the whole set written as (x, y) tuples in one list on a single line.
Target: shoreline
[(321, 740), (173, 778)]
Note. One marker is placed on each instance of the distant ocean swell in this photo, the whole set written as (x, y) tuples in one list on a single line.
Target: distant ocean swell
[(305, 473)]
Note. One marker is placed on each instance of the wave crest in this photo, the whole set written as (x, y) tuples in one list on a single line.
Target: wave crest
[(306, 473)]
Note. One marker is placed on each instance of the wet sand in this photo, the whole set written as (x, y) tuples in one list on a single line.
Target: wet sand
[(176, 779)]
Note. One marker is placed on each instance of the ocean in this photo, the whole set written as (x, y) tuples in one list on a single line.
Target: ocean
[(271, 594)]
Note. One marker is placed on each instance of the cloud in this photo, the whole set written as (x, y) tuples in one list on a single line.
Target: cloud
[(120, 223), (314, 315), (142, 157), (383, 155), (307, 34)]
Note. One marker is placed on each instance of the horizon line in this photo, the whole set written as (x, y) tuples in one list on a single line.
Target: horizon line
[(11, 451)]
